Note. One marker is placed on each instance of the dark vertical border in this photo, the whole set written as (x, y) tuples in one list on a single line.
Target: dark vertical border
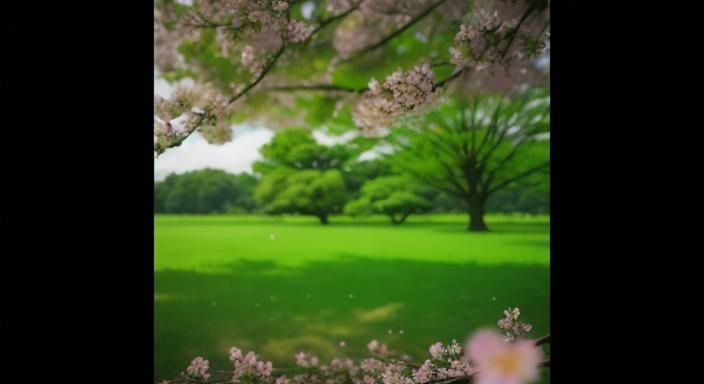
[(78, 180), (623, 156)]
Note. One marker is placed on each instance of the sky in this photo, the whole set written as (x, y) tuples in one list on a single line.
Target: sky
[(195, 153)]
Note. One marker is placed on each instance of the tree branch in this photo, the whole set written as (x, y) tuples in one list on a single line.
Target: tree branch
[(180, 139), (259, 78), (508, 157), (543, 340), (332, 19), (314, 87), (519, 176), (340, 88), (514, 31), (391, 36)]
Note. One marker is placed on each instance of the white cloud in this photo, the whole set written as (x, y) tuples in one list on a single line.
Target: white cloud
[(325, 139), (376, 152), (195, 153)]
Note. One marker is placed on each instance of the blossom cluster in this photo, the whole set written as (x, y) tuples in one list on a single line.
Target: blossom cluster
[(305, 361), (511, 326), (188, 109), (377, 348), (401, 93), (501, 31), (486, 358), (166, 43), (448, 361), (198, 368), (254, 29), (247, 367)]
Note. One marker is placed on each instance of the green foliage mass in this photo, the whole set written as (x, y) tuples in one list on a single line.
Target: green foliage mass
[(309, 192), (205, 191), (394, 196)]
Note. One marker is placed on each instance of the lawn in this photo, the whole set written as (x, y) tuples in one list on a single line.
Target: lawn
[(277, 285)]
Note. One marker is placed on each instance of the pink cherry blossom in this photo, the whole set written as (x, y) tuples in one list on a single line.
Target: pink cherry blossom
[(198, 368), (499, 362), (436, 350)]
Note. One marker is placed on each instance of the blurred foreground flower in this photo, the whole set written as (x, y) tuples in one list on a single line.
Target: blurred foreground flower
[(500, 362)]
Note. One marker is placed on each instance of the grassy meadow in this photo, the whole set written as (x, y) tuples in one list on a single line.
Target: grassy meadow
[(277, 285)]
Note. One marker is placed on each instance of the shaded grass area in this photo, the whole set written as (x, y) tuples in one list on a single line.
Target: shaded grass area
[(229, 284)]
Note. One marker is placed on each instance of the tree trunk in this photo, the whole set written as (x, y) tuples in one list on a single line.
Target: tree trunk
[(400, 219), (323, 217), (475, 206)]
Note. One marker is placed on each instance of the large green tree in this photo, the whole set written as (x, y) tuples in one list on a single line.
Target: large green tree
[(297, 149), (309, 192), (472, 149), (300, 175), (394, 196)]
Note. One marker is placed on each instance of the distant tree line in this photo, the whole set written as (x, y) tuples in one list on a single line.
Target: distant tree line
[(205, 191), (368, 187)]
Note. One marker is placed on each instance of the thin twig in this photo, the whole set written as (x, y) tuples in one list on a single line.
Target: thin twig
[(542, 340), (397, 32), (332, 19), (259, 78), (314, 87), (514, 31)]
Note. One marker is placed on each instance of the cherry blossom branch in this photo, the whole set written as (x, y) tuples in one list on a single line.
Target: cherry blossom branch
[(278, 54), (393, 35), (314, 87), (332, 19), (514, 31), (261, 76), (341, 88), (178, 140), (453, 76)]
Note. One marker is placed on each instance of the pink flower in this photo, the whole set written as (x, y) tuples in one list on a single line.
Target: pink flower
[(369, 365), (198, 368), (301, 359), (279, 6), (499, 362), (511, 326), (314, 361), (282, 380), (373, 345), (424, 373), (235, 354), (264, 369), (378, 348), (436, 350)]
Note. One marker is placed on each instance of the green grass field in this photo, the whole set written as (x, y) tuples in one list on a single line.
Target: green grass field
[(277, 285)]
